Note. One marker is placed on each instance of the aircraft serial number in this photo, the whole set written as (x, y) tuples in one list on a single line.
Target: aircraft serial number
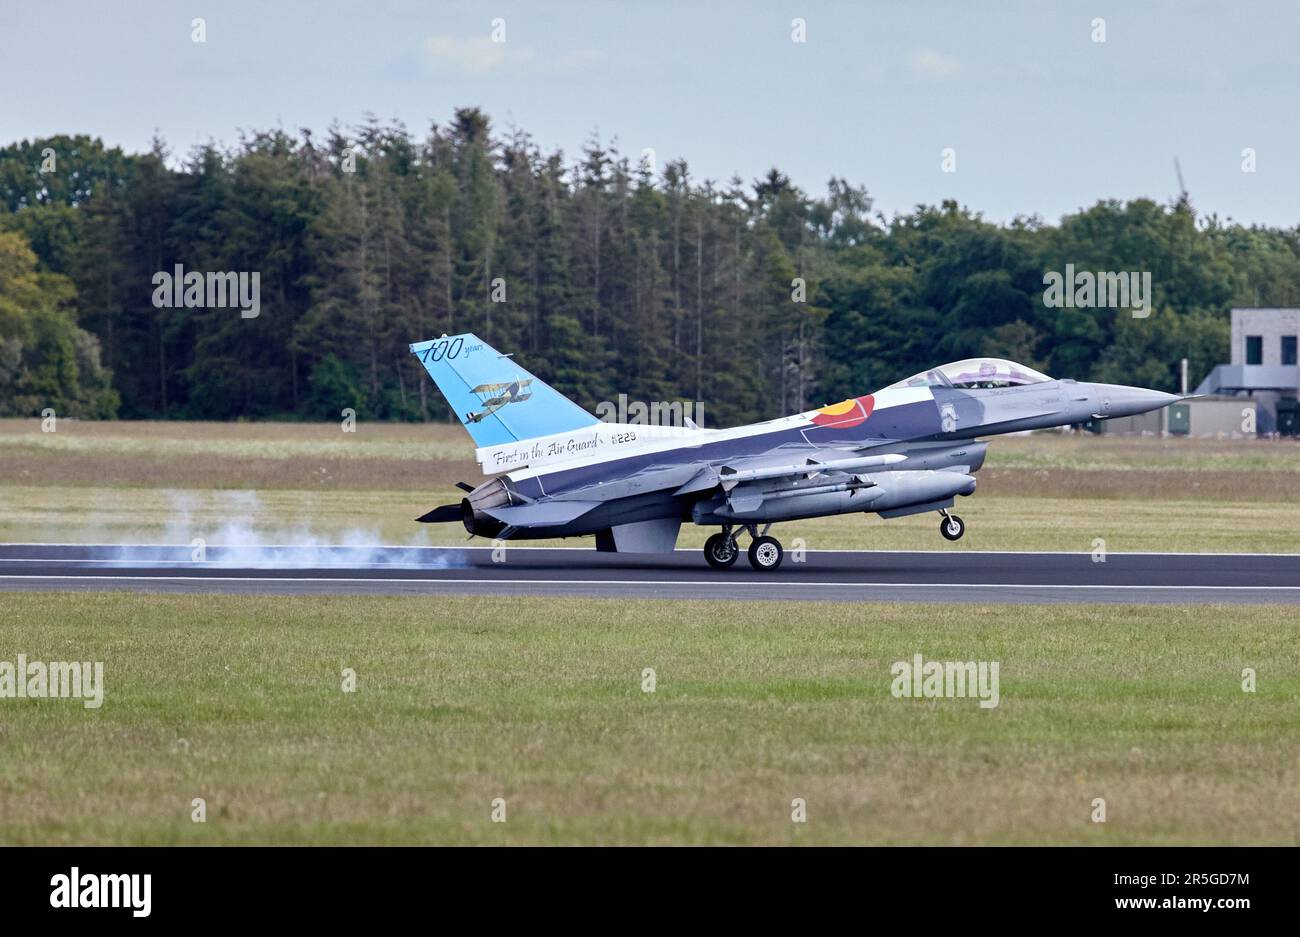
[(623, 437)]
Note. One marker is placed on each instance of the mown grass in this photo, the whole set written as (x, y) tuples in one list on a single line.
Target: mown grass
[(406, 457), (238, 700), (994, 522), (172, 482)]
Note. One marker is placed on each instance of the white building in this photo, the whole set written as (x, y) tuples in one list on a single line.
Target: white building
[(1263, 366)]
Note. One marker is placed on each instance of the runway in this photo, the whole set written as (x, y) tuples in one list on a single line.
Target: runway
[(857, 576)]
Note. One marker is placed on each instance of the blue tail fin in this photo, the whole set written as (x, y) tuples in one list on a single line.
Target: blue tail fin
[(496, 399)]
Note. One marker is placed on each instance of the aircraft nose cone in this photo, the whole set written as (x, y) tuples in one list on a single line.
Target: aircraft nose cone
[(1118, 400)]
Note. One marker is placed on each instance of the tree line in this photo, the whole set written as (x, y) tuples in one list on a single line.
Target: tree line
[(604, 274)]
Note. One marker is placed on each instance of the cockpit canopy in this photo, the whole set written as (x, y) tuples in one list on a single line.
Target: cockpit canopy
[(974, 373)]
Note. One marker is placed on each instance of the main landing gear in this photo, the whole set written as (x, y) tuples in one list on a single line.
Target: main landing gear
[(765, 553), (952, 526), (721, 550)]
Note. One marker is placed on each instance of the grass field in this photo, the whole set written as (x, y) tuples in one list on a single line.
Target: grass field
[(459, 701), (237, 700), (410, 457), (994, 522), (172, 482)]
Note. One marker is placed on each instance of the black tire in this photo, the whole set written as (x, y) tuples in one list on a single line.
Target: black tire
[(952, 527), (721, 551), (765, 554)]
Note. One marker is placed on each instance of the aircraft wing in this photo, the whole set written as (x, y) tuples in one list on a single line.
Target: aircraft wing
[(542, 513)]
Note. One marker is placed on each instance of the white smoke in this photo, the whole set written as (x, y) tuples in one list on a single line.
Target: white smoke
[(238, 539)]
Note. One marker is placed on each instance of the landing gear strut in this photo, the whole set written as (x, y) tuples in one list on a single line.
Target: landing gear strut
[(952, 526), (765, 554)]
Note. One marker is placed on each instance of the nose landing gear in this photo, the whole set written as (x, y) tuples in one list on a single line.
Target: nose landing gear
[(952, 527), (765, 554)]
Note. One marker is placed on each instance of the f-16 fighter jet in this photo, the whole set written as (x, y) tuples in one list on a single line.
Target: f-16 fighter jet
[(909, 448)]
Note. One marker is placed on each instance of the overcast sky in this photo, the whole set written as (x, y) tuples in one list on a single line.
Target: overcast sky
[(1043, 119)]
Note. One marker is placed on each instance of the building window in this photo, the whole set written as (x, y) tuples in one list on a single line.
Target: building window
[(1288, 349), (1254, 349)]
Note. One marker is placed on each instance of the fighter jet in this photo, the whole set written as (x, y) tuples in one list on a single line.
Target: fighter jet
[(909, 448)]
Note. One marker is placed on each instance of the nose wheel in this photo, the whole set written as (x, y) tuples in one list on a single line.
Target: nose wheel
[(951, 526), (765, 554)]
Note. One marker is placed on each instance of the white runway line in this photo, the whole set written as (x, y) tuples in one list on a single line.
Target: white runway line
[(649, 582), (692, 551)]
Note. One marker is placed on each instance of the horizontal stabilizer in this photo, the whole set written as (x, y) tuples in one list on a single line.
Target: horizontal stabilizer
[(542, 513), (446, 514)]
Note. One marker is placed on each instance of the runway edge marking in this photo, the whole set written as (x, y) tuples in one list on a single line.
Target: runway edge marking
[(652, 582)]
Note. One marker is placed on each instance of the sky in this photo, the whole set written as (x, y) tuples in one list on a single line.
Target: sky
[(1036, 115)]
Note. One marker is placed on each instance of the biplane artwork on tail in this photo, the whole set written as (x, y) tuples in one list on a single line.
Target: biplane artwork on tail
[(496, 396)]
